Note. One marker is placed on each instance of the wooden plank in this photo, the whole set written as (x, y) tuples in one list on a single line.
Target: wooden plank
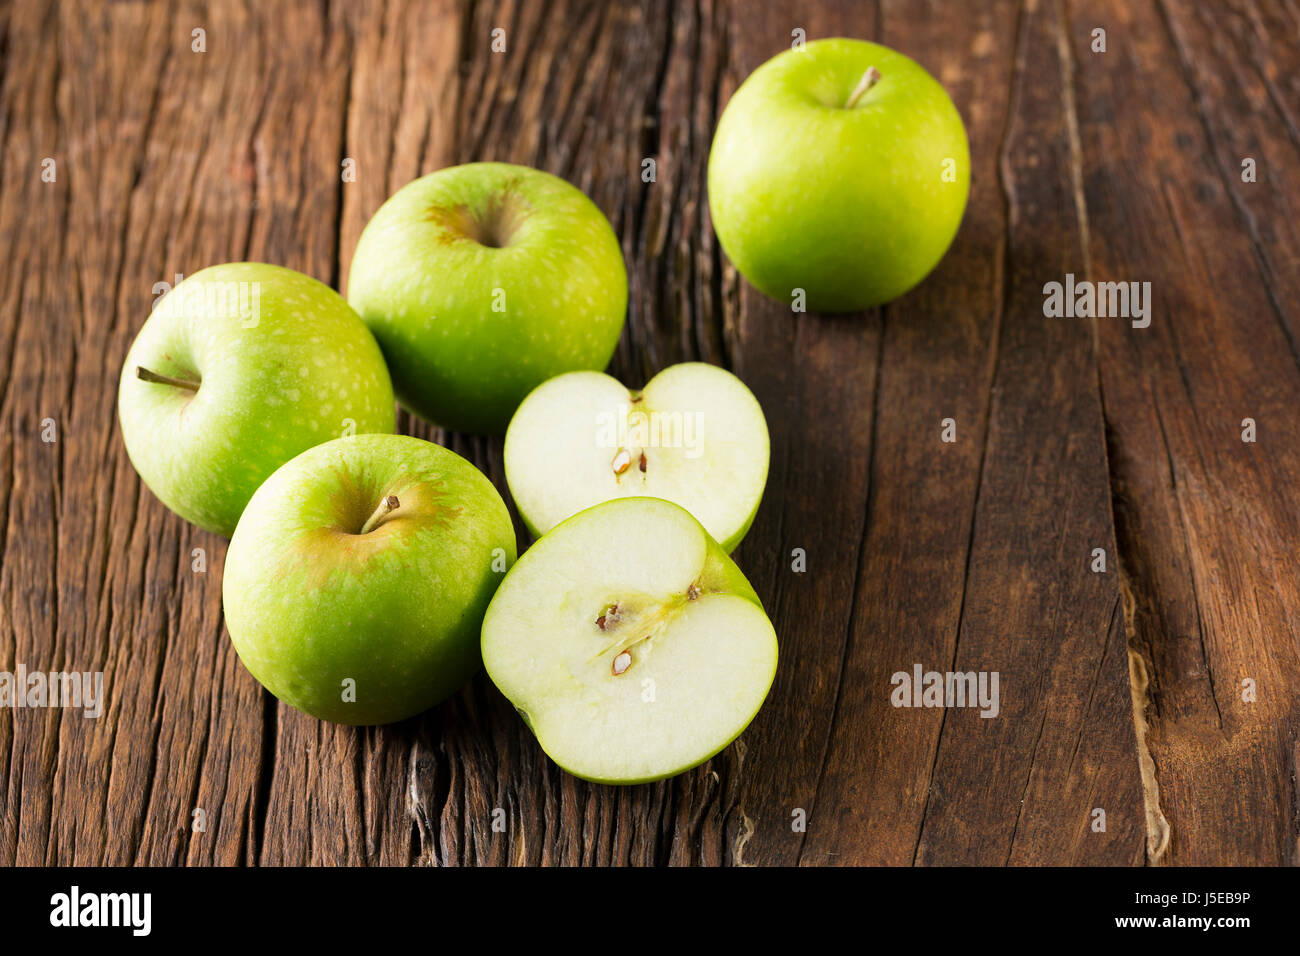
[(1207, 523), (976, 553), (334, 795), (96, 577), (790, 362), (1029, 789)]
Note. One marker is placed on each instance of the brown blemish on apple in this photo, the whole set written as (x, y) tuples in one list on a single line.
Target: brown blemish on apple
[(693, 592), (492, 225), (423, 502)]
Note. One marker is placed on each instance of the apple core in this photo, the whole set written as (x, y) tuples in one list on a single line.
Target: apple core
[(695, 435)]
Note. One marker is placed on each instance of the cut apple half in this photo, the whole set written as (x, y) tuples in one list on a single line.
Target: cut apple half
[(630, 643), (695, 435)]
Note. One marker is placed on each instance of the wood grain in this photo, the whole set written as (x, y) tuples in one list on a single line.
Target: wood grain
[(1121, 691), (1207, 522)]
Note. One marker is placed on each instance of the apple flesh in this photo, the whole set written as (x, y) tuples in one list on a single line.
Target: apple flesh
[(630, 643), (841, 169), (481, 282), (238, 369), (695, 435), (356, 582)]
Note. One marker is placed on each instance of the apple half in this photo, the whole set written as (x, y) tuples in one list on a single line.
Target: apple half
[(630, 643), (695, 435)]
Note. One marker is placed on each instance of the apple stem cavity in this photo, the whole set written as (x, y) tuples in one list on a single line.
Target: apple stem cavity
[(386, 507), (148, 375), (869, 79)]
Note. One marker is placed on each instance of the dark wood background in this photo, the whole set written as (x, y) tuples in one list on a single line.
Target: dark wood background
[(1120, 690)]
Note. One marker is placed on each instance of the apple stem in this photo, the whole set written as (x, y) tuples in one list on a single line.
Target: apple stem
[(386, 507), (869, 79), (148, 375)]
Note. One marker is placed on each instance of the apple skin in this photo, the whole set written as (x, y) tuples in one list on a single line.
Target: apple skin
[(542, 651), (307, 371), (848, 204), (482, 281), (310, 602)]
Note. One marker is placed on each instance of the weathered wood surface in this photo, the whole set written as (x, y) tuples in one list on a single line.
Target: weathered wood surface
[(1120, 690)]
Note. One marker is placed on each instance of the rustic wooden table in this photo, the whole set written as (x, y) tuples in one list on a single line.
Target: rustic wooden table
[(1162, 690)]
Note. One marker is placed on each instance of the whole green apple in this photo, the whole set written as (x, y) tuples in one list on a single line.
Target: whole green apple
[(357, 579), (482, 281), (841, 169), (238, 369), (695, 435), (630, 643)]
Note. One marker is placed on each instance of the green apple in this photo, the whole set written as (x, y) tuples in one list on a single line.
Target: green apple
[(630, 643), (239, 368), (481, 282), (840, 169), (356, 582), (695, 435)]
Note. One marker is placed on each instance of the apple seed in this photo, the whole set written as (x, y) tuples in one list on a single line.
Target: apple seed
[(643, 463), (609, 618), (622, 461), (622, 662)]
